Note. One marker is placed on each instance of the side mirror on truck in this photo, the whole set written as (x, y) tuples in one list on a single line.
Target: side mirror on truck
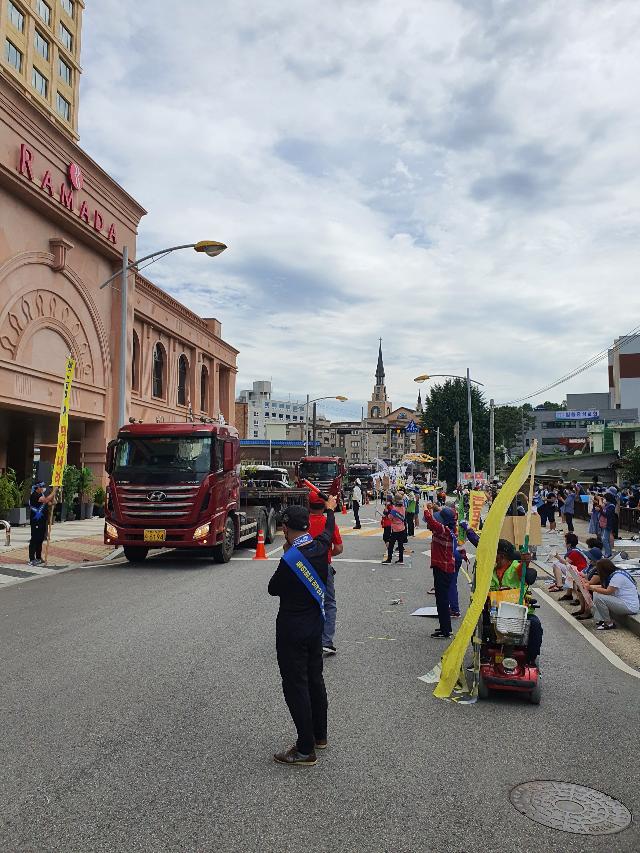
[(111, 452), (228, 458)]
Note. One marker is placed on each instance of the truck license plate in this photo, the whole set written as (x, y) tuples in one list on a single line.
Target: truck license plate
[(155, 535)]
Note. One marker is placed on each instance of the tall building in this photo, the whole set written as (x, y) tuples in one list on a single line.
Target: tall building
[(379, 406), (624, 373), (263, 410), (64, 226), (41, 55)]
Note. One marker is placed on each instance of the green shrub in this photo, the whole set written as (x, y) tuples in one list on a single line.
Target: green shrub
[(10, 491), (100, 496)]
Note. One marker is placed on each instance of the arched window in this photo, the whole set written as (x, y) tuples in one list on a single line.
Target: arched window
[(159, 361), (375, 412), (204, 389), (183, 372), (135, 363)]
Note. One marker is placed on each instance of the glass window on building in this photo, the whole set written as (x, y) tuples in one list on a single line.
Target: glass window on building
[(42, 45), (281, 405), (65, 37), (13, 55), (255, 433), (44, 11), (183, 373), (39, 83), (64, 71), (67, 5), (158, 371), (16, 17), (63, 107)]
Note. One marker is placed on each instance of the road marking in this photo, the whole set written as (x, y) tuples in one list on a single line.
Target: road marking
[(352, 560), (275, 550), (612, 657)]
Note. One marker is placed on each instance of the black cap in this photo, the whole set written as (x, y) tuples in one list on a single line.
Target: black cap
[(506, 548), (296, 517)]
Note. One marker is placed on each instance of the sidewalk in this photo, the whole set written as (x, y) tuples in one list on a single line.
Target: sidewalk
[(72, 542)]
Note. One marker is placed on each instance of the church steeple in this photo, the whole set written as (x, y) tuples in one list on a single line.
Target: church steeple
[(378, 406), (380, 367), (419, 403)]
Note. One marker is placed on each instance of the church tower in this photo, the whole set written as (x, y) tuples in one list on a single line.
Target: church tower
[(378, 406), (419, 409)]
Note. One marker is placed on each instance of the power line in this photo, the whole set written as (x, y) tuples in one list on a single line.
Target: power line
[(629, 338)]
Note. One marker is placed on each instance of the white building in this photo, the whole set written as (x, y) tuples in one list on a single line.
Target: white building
[(263, 410)]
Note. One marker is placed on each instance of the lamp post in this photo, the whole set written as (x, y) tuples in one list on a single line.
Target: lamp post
[(209, 247), (424, 376), (306, 417)]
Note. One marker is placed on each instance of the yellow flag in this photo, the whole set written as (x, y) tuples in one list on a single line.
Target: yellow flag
[(63, 426), (485, 562)]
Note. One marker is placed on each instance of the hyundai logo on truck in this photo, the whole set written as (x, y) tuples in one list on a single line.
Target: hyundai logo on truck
[(156, 496)]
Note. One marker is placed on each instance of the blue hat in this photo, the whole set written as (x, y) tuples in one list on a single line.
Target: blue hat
[(594, 554), (446, 516), (40, 485)]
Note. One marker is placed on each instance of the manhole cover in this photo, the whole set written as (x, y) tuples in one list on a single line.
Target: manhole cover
[(570, 808)]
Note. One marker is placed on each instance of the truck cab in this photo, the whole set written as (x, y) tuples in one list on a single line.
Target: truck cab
[(175, 485), (325, 472)]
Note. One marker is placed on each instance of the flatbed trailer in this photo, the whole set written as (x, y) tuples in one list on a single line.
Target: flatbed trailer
[(264, 505)]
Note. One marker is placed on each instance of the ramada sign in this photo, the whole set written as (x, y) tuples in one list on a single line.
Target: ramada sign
[(65, 195)]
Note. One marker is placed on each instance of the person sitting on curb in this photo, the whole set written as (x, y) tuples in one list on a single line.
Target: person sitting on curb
[(616, 594), (577, 559)]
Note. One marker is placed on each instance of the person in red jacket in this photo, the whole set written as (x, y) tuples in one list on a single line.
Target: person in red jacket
[(443, 526), (317, 522)]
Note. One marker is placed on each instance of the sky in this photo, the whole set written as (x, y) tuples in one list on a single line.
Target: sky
[(458, 177)]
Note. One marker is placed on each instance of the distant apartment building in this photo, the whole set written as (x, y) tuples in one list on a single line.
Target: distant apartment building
[(262, 410), (624, 373)]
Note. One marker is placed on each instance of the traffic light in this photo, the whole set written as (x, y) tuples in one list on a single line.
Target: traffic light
[(425, 431)]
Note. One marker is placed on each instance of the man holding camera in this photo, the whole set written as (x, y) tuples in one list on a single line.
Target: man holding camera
[(301, 581)]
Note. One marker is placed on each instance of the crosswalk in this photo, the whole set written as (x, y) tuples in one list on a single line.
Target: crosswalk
[(377, 531)]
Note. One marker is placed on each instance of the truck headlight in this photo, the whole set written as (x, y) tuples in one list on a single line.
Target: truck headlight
[(112, 532), (201, 531)]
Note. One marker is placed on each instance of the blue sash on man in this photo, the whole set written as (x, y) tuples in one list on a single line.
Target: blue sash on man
[(304, 571)]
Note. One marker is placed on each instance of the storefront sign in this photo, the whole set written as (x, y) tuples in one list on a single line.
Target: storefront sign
[(63, 426), (578, 415), (65, 195)]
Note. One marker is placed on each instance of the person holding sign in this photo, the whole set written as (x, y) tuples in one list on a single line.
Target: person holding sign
[(301, 581), (39, 518)]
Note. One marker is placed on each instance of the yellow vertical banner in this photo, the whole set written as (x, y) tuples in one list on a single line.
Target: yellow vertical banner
[(485, 562), (63, 426), (476, 501)]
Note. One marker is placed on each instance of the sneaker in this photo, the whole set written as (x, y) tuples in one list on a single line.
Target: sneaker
[(293, 757), (329, 650), (440, 636), (321, 743)]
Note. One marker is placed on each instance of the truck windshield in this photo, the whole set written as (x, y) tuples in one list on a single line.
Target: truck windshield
[(324, 470), (165, 457)]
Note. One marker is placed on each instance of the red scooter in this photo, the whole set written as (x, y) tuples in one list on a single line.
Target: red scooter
[(503, 657)]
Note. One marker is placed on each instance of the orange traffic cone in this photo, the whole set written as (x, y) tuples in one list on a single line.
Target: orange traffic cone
[(344, 508), (260, 554)]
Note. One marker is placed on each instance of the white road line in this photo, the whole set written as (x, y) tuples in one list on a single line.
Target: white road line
[(275, 551), (605, 651)]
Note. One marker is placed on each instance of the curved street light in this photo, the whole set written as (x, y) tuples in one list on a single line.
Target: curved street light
[(340, 397), (212, 248), (424, 376)]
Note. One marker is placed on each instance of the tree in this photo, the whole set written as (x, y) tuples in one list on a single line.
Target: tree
[(446, 404), (553, 407), (631, 465), (508, 423)]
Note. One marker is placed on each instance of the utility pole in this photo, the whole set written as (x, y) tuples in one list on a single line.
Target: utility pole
[(313, 434), (438, 455), (124, 339), (492, 441), (522, 415), (306, 428), (472, 458)]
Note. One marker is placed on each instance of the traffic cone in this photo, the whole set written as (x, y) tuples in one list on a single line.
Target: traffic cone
[(344, 508), (260, 554)]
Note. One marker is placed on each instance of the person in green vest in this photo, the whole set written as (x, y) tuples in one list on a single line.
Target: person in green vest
[(507, 574)]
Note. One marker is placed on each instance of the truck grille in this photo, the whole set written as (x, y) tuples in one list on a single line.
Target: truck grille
[(323, 485), (157, 501)]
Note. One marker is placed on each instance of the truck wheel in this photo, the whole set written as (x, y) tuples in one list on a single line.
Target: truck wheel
[(272, 527), (483, 690), (135, 554), (222, 552)]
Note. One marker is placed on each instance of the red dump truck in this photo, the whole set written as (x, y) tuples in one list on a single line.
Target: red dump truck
[(325, 472), (178, 486)]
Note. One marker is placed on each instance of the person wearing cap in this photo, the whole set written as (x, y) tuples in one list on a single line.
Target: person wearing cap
[(356, 501), (442, 524), (608, 521), (317, 523), (39, 518), (507, 574), (300, 581)]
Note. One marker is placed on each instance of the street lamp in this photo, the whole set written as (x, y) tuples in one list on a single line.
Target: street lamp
[(424, 376), (208, 247), (306, 417)]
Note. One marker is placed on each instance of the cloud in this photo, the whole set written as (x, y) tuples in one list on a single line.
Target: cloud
[(460, 177)]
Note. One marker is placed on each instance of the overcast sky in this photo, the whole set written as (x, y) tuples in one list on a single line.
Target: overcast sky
[(461, 178)]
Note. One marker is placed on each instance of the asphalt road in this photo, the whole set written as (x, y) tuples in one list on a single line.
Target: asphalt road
[(141, 707)]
